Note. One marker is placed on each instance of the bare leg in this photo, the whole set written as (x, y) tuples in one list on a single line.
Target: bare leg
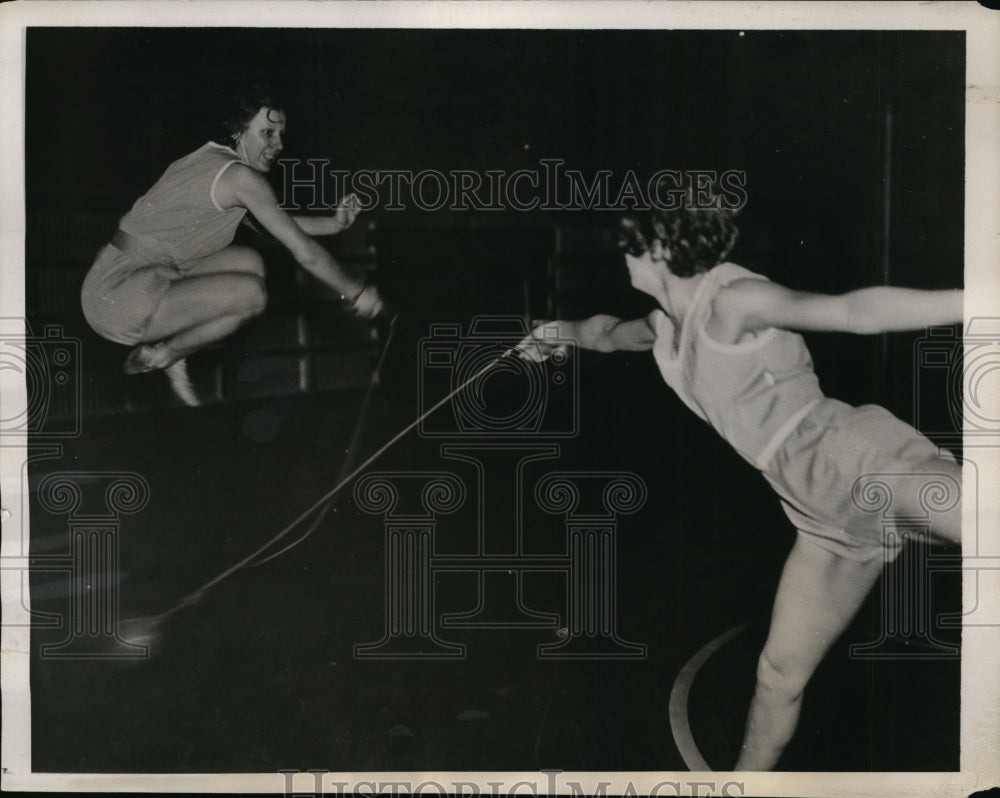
[(225, 291), (817, 597), (194, 313), (199, 336), (177, 375)]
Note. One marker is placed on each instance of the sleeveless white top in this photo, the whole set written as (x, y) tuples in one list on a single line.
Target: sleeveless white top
[(179, 220), (754, 393)]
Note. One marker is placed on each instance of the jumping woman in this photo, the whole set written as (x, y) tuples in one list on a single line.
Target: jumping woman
[(170, 282)]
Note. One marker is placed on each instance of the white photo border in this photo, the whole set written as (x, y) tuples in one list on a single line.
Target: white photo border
[(980, 667)]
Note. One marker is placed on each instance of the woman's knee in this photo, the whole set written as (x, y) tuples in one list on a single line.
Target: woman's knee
[(253, 297), (248, 260), (237, 260), (781, 676)]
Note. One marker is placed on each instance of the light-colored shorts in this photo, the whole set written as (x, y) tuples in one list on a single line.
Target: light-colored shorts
[(121, 293), (123, 289), (818, 469)]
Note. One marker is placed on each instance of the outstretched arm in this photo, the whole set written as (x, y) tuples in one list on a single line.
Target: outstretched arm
[(343, 217), (243, 186), (749, 305), (601, 333), (604, 333)]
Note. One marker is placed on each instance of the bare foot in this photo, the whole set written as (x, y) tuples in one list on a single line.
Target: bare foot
[(181, 384), (148, 357)]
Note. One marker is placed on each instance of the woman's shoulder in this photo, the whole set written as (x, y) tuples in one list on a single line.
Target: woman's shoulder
[(732, 286), (733, 301), (238, 185), (728, 272), (208, 155), (222, 149)]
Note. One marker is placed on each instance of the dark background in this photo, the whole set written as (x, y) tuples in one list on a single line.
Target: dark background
[(803, 114), (246, 680)]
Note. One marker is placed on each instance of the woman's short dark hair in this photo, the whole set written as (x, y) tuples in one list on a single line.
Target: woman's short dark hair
[(241, 108), (698, 235)]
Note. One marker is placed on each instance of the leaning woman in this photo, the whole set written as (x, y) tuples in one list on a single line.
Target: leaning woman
[(725, 341)]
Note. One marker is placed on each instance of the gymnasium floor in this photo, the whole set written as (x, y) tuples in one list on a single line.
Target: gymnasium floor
[(261, 674)]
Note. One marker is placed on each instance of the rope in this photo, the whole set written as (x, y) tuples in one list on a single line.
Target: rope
[(196, 596)]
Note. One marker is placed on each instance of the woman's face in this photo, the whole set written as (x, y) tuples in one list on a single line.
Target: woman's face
[(260, 144)]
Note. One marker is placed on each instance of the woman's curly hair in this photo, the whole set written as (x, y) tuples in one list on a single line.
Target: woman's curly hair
[(698, 238), (241, 108)]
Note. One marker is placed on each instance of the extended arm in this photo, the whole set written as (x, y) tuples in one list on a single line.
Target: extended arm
[(317, 225), (243, 186), (602, 333), (758, 304), (342, 218)]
